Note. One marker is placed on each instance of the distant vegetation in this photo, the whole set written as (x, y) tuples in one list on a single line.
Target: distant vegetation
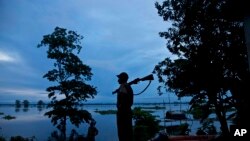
[(25, 103), (9, 117), (106, 112), (153, 107), (17, 138)]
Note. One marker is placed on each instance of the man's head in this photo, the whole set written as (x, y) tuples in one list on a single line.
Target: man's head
[(123, 77)]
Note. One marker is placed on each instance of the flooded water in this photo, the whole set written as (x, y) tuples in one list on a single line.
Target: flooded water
[(31, 122)]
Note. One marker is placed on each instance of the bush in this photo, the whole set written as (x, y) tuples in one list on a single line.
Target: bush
[(2, 138), (146, 125)]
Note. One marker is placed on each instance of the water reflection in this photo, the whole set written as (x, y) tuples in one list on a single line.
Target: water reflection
[(36, 124), (40, 108), (74, 136), (25, 109), (17, 109)]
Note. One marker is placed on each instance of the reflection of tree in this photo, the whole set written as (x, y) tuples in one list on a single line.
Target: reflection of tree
[(25, 109), (26, 103), (40, 108), (18, 104), (17, 109), (59, 136), (40, 105)]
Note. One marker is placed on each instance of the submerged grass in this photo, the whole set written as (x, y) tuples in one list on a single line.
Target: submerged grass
[(152, 107), (106, 112), (9, 117)]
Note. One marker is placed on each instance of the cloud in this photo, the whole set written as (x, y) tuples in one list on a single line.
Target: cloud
[(21, 91), (10, 94), (13, 62), (118, 36), (103, 64), (9, 57), (17, 71)]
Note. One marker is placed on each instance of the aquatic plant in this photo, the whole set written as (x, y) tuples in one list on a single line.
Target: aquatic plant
[(106, 112), (9, 117), (146, 124)]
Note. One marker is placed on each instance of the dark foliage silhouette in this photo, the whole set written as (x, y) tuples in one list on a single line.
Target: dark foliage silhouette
[(210, 63), (69, 76)]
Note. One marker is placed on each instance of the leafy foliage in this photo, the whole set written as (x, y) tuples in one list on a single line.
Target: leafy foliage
[(70, 75), (18, 103), (26, 103), (207, 128), (146, 125), (40, 103), (210, 54)]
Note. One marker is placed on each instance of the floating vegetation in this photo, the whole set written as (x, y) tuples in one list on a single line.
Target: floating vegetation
[(20, 138), (9, 117), (146, 124), (152, 107), (106, 112)]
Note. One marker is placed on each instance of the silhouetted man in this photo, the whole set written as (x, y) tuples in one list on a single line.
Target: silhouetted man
[(124, 112)]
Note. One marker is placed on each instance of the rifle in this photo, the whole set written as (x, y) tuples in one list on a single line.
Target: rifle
[(135, 81)]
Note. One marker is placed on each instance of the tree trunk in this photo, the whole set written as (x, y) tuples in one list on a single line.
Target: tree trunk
[(220, 112), (63, 129), (244, 100)]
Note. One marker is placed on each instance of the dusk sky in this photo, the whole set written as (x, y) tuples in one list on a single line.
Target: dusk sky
[(118, 36)]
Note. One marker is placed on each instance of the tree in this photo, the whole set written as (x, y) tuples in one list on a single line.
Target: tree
[(26, 103), (211, 58), (70, 76), (18, 103), (40, 103)]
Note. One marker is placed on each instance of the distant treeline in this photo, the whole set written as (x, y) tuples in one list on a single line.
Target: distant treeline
[(40, 102)]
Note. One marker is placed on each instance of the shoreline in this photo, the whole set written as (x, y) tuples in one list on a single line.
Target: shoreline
[(139, 103)]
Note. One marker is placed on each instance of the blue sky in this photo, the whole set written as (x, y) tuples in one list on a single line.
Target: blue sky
[(118, 36)]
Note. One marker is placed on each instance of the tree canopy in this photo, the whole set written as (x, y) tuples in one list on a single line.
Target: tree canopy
[(211, 54), (70, 76)]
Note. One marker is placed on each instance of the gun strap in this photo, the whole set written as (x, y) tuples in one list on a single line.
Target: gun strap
[(144, 88)]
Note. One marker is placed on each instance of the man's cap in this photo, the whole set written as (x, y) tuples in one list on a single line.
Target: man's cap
[(122, 75)]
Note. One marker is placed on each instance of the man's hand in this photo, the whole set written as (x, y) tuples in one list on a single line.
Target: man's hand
[(135, 81)]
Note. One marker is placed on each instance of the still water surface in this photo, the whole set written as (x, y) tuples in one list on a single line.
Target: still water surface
[(31, 122)]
